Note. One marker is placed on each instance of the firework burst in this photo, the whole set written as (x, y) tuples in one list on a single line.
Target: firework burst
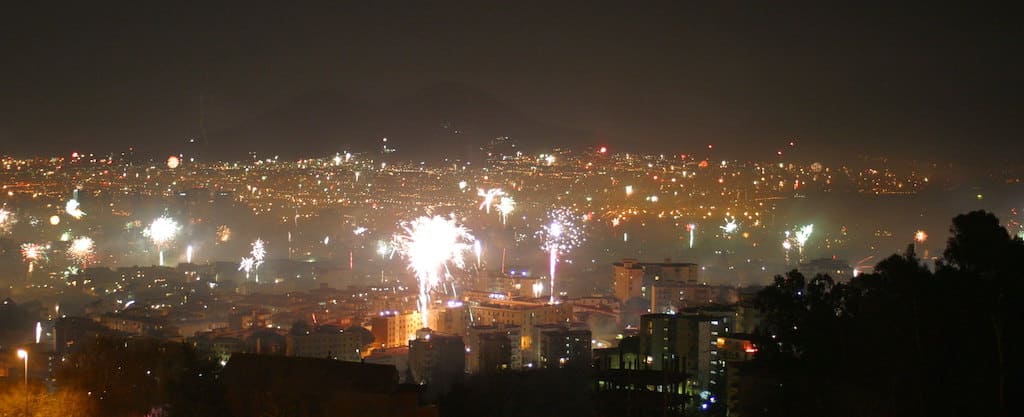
[(255, 259), (246, 265), (223, 233), (431, 244), (797, 239), (489, 197), (6, 220), (162, 231), (730, 226), (82, 249), (920, 237), (505, 207), (259, 250), (74, 209), (802, 234), (560, 235), (32, 253)]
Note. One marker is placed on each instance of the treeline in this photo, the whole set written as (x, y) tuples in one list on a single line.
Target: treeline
[(904, 340), (123, 377)]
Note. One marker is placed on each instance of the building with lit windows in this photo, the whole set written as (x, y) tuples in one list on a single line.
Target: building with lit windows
[(686, 344), (635, 279), (525, 314), (394, 329), (561, 346), (629, 276)]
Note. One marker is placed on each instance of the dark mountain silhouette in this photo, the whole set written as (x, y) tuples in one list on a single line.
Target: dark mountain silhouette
[(443, 120)]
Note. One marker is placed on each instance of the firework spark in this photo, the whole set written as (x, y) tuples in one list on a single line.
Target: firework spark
[(385, 249), (560, 235), (802, 234), (692, 228), (505, 206), (920, 237), (32, 253), (82, 249), (162, 232), (259, 250), (431, 244), (257, 253), (223, 233), (6, 220), (797, 239), (730, 226), (247, 265), (489, 197), (74, 209)]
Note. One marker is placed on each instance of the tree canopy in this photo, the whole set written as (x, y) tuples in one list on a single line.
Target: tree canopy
[(905, 339)]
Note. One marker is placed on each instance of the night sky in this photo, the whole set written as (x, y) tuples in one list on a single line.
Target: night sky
[(910, 81)]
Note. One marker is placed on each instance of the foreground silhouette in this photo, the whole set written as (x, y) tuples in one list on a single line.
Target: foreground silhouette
[(903, 340)]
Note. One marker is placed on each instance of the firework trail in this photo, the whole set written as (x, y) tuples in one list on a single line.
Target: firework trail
[(477, 250)]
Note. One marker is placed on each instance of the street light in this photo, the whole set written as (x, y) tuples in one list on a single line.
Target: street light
[(23, 354)]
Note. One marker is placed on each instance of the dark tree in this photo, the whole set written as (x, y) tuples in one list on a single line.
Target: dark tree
[(135, 376), (903, 340)]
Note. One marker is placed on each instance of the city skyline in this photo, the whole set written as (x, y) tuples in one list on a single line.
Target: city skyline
[(543, 209)]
